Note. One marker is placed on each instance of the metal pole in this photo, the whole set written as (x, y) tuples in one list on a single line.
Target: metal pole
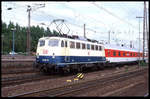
[(147, 29), (84, 32), (2, 42), (13, 43), (139, 39), (109, 37), (28, 33), (144, 32)]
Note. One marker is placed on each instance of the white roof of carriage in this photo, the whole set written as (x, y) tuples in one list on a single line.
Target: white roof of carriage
[(120, 47)]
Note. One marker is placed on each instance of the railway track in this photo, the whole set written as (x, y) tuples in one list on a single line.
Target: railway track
[(76, 87), (19, 77), (10, 81), (18, 71)]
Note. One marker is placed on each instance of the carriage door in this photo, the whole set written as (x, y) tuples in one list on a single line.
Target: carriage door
[(67, 56)]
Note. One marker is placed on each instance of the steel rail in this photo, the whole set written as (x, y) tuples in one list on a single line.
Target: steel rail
[(67, 89), (17, 60), (22, 79), (18, 71)]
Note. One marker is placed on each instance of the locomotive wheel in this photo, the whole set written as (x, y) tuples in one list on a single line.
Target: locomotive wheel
[(61, 71), (44, 69)]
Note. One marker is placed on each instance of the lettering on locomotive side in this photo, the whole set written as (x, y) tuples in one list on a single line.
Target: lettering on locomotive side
[(45, 60), (45, 51)]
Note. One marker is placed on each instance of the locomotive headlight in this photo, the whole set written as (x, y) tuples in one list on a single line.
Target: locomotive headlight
[(53, 55)]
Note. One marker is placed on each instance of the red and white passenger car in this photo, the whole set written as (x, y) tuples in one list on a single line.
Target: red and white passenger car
[(121, 54)]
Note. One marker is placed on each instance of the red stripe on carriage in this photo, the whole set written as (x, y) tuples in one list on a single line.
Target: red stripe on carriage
[(120, 53)]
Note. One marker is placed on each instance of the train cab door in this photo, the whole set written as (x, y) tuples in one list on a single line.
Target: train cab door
[(67, 56)]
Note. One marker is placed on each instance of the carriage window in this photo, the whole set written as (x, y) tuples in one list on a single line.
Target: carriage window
[(83, 46), (88, 46), (62, 43), (65, 43), (42, 43), (96, 47), (108, 52), (138, 54), (123, 53), (72, 44), (100, 48), (53, 42), (133, 54), (114, 53), (78, 45), (119, 54), (130, 54), (92, 47)]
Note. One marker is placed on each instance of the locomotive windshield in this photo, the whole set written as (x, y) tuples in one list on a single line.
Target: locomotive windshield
[(53, 42), (41, 43)]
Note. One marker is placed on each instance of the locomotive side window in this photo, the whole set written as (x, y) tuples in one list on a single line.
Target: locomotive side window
[(100, 48), (72, 44), (83, 46), (92, 47), (96, 47), (78, 45), (66, 44), (62, 43), (53, 43), (42, 42), (88, 46)]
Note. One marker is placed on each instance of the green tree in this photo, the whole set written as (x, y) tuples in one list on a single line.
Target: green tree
[(21, 36)]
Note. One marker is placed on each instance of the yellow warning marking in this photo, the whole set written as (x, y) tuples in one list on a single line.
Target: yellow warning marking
[(68, 80), (76, 79), (81, 76)]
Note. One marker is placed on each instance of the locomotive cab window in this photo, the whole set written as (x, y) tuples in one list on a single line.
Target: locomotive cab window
[(41, 43), (66, 44), (53, 42)]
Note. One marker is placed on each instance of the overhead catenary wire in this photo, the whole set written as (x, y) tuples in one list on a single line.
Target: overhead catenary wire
[(112, 14)]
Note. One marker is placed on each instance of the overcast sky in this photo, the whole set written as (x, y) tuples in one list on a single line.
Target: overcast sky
[(99, 17)]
